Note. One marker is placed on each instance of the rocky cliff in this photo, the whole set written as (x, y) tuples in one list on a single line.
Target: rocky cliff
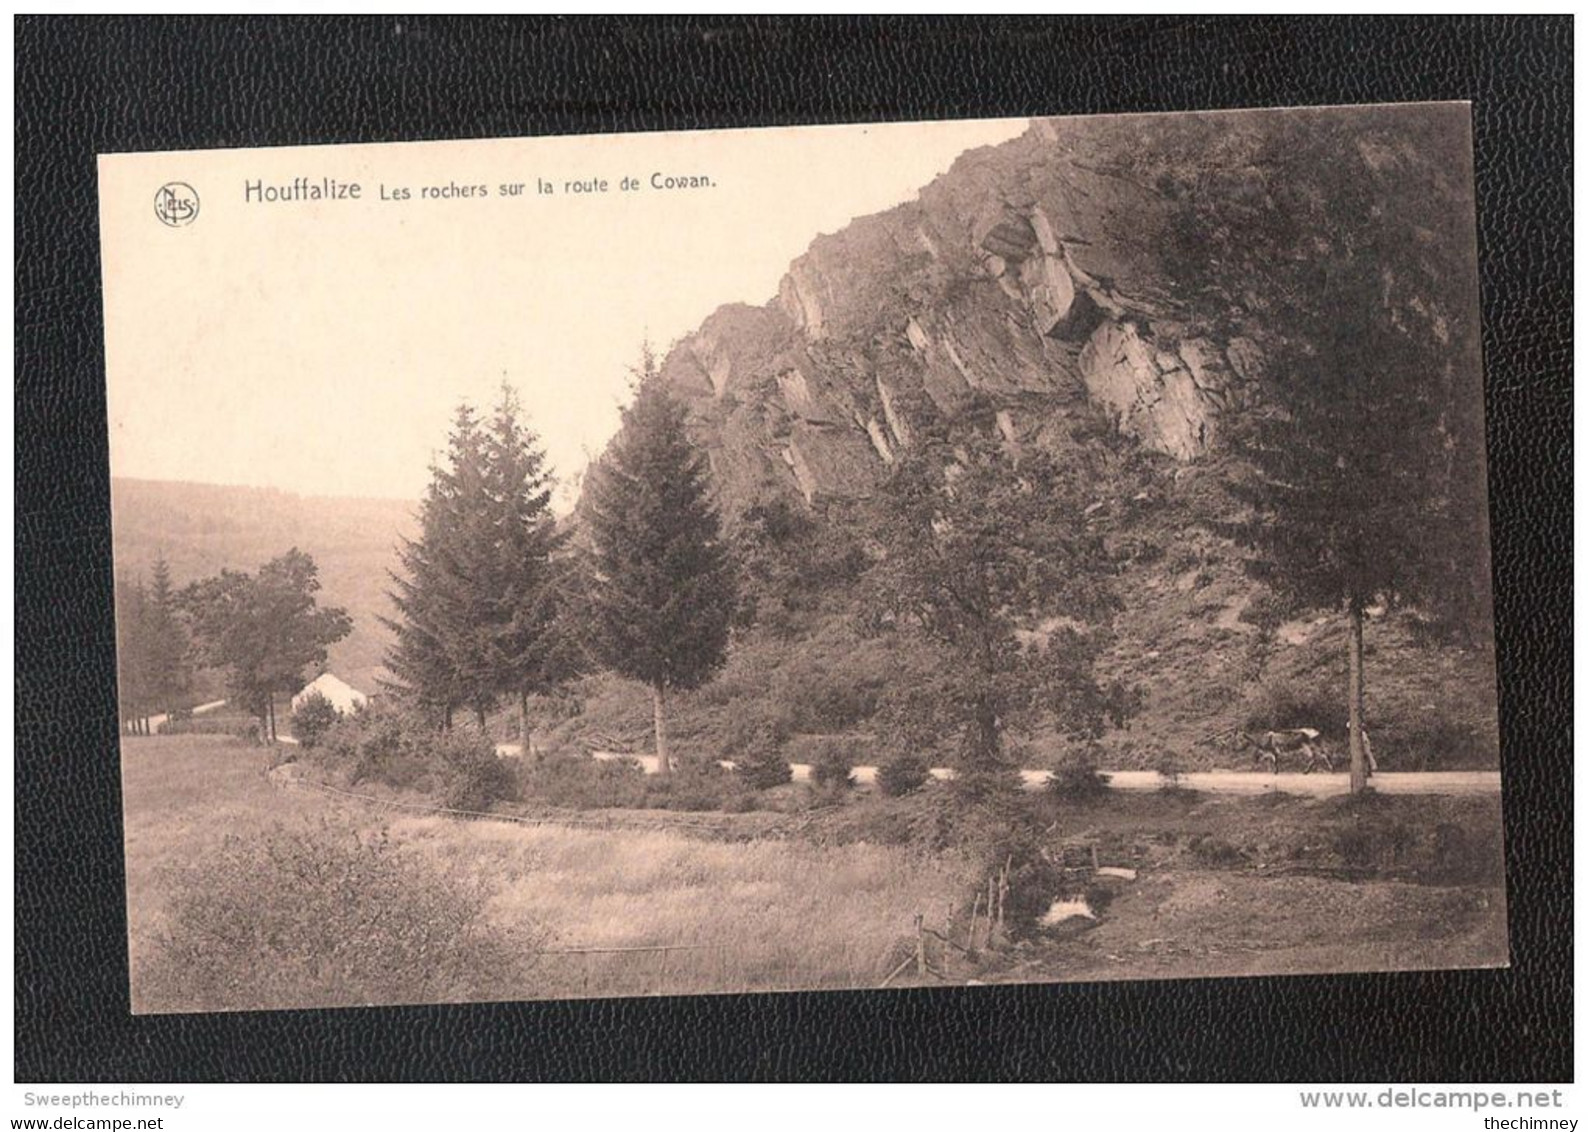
[(1028, 281), (1118, 291)]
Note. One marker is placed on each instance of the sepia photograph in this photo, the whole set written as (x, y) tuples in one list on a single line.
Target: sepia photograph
[(860, 557)]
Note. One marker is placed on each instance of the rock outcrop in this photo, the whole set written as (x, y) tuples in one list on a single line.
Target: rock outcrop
[(1024, 284)]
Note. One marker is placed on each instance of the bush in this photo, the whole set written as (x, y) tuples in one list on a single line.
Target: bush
[(761, 761), (1435, 744), (902, 774), (752, 724), (476, 782), (817, 696), (699, 786), (1077, 779), (1216, 851), (377, 744), (312, 718), (1171, 769), (833, 766), (1469, 855), (580, 782), (384, 743), (327, 917), (1279, 704)]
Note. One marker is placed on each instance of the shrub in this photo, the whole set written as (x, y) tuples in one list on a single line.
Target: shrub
[(1365, 844), (328, 917), (385, 743), (1469, 855), (1216, 851), (902, 774), (1280, 704), (1077, 778), (478, 779), (833, 767), (751, 724), (312, 718), (762, 763), (1171, 769), (820, 697), (1435, 744), (580, 782), (698, 786)]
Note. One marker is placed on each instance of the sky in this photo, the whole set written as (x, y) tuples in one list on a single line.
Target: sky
[(322, 346)]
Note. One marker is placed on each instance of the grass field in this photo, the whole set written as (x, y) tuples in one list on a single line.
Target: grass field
[(247, 895), (753, 916)]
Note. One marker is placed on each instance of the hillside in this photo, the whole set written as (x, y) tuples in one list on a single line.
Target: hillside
[(1113, 291), (201, 528)]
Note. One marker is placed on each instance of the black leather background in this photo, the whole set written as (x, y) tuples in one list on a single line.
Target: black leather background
[(85, 86)]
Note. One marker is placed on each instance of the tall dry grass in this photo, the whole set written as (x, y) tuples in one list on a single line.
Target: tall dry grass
[(751, 916)]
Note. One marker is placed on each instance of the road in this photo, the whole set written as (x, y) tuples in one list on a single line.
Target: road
[(156, 720), (1207, 782)]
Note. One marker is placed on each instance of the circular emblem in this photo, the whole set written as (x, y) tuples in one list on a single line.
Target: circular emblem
[(176, 204)]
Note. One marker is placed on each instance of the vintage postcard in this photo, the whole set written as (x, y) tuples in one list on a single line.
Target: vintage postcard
[(872, 556)]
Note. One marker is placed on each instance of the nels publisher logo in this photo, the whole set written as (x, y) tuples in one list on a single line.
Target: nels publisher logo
[(176, 204)]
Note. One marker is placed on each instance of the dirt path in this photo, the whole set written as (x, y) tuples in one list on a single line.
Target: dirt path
[(1207, 782), (156, 720)]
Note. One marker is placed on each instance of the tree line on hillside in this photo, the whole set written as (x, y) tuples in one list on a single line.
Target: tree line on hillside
[(1360, 474), (1355, 486), (494, 602), (263, 631)]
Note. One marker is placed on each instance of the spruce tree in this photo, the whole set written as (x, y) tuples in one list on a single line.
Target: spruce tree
[(524, 583), (443, 655), (661, 587), (421, 656), (133, 653), (478, 598), (169, 676)]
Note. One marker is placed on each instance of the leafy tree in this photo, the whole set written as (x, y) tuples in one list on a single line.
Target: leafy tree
[(989, 556), (1366, 456), (788, 562), (312, 718), (228, 634), (661, 585), (266, 630)]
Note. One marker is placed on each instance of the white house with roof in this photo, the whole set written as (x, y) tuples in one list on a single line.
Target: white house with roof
[(342, 695)]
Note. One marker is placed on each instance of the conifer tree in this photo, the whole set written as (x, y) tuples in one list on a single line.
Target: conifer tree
[(524, 582), (661, 588), (478, 598), (422, 656), (169, 675), (133, 683)]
